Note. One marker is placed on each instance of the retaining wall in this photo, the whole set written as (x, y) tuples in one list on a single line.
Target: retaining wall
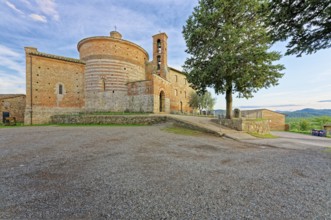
[(247, 125), (108, 119)]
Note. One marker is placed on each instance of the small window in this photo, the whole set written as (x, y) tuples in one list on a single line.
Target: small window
[(176, 79), (103, 84), (185, 94), (60, 89), (158, 62), (176, 93), (159, 46)]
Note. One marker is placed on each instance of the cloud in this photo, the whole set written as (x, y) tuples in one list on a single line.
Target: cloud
[(12, 71), (11, 83), (10, 59), (12, 6), (26, 2), (7, 52), (39, 18), (324, 101), (48, 7)]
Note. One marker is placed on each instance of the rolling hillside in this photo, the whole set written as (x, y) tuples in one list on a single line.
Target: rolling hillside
[(307, 112)]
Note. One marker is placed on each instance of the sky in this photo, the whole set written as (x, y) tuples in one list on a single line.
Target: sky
[(56, 26)]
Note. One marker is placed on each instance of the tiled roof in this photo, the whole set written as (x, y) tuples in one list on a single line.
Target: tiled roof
[(57, 57), (7, 96)]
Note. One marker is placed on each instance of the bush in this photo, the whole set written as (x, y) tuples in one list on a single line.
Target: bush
[(303, 125)]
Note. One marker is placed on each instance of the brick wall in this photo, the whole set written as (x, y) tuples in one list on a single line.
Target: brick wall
[(180, 92), (52, 82), (14, 104), (112, 63), (140, 96), (276, 120)]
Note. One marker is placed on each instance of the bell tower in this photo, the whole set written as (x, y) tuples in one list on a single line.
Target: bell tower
[(160, 54)]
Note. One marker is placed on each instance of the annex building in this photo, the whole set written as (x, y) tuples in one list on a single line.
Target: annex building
[(111, 75)]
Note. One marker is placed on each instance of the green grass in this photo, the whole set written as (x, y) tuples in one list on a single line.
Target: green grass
[(266, 136), (182, 131), (18, 124)]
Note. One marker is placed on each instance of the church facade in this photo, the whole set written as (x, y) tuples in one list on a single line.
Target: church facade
[(111, 75)]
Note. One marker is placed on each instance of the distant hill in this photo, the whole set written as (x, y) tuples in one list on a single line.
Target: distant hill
[(219, 112), (307, 112), (303, 113)]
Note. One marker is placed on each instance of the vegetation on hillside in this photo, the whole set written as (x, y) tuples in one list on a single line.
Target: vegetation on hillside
[(305, 125)]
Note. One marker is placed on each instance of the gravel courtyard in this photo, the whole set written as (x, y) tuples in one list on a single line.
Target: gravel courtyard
[(145, 172)]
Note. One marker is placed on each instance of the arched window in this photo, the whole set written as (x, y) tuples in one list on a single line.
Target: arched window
[(60, 89), (158, 62), (176, 93), (103, 84), (159, 46), (176, 79)]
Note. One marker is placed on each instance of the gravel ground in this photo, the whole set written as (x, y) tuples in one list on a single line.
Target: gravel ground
[(147, 173)]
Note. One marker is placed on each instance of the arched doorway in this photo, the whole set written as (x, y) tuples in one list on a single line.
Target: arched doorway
[(162, 101), (181, 106)]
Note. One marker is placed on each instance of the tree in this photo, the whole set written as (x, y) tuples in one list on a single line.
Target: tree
[(321, 121), (208, 101), (194, 101), (228, 46), (202, 101), (306, 23), (303, 125)]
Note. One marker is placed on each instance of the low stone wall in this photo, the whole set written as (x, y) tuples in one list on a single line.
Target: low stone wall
[(248, 125), (108, 119), (253, 126), (235, 123)]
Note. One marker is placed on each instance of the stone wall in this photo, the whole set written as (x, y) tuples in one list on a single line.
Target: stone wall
[(141, 97), (42, 115), (256, 126), (112, 75), (108, 119), (247, 125), (52, 82), (163, 86), (180, 92), (276, 120), (111, 63), (14, 104)]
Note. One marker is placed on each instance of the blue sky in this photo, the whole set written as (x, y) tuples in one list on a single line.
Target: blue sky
[(56, 26)]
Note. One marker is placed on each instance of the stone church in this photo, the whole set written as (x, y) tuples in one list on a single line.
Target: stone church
[(111, 75)]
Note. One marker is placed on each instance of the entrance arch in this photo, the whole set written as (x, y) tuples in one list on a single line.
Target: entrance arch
[(162, 101)]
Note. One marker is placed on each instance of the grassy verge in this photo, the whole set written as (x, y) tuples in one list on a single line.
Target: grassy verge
[(12, 126), (183, 131), (267, 136)]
